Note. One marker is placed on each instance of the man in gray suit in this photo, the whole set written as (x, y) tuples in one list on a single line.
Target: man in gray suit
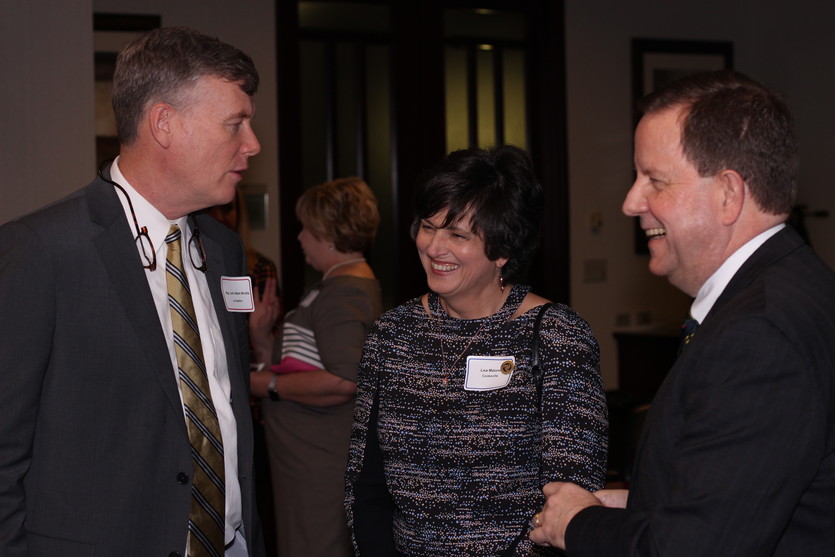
[(737, 455), (101, 448)]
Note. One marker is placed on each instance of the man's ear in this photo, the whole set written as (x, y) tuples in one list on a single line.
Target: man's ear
[(733, 191), (159, 121)]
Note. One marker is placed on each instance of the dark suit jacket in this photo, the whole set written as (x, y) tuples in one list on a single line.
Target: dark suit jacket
[(92, 436), (738, 451)]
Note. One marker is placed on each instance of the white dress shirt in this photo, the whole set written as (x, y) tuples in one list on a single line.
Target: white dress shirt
[(214, 351)]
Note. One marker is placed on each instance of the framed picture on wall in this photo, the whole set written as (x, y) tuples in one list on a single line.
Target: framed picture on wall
[(656, 62)]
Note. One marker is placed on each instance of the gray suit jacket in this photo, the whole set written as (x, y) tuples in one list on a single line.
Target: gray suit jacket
[(93, 443), (738, 451)]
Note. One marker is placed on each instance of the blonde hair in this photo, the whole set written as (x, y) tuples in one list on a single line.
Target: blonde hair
[(343, 211)]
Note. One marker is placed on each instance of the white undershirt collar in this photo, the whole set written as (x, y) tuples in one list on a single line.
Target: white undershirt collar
[(715, 285)]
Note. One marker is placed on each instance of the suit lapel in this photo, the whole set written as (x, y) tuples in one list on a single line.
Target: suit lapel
[(117, 249), (666, 400), (216, 264), (775, 248)]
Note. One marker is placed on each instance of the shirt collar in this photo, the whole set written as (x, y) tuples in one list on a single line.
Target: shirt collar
[(146, 214), (715, 285)]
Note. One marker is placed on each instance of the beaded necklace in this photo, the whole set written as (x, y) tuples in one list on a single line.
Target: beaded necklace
[(341, 264)]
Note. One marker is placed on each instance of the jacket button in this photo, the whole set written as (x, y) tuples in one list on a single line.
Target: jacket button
[(175, 554), (182, 479)]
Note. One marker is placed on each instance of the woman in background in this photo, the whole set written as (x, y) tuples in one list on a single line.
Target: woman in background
[(309, 396), (455, 430)]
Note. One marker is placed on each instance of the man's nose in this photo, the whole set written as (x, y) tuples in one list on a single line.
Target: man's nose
[(635, 203)]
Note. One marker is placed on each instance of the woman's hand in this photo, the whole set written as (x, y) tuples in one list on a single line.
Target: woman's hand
[(262, 322), (258, 383)]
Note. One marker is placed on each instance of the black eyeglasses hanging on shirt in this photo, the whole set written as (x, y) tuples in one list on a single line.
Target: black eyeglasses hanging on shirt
[(143, 240)]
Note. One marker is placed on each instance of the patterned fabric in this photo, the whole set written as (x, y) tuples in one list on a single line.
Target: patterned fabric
[(465, 469), (207, 517), (300, 343), (263, 269)]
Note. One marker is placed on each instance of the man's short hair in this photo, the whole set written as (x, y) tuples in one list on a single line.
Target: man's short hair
[(164, 64), (733, 122)]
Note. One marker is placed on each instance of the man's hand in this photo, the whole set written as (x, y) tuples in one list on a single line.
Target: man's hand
[(562, 502)]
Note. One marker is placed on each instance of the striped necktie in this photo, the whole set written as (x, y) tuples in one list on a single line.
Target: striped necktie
[(688, 330), (207, 517)]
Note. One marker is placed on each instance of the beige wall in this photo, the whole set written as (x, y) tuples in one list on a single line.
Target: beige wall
[(47, 139)]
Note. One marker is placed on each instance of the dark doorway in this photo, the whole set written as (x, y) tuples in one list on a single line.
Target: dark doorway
[(382, 90)]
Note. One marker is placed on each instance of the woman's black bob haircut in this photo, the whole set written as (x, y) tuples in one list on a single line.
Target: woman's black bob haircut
[(497, 189)]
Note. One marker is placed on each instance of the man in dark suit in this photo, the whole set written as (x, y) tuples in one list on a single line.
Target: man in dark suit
[(101, 447), (737, 455)]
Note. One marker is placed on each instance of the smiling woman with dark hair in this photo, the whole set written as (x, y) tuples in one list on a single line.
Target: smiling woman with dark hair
[(456, 428), (498, 191)]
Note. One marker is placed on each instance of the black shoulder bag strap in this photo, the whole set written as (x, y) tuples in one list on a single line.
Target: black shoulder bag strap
[(537, 341), (537, 376)]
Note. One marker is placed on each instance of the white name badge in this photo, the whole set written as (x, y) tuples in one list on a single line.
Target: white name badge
[(237, 293), (486, 373)]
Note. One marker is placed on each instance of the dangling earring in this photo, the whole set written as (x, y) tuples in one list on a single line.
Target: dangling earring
[(501, 282)]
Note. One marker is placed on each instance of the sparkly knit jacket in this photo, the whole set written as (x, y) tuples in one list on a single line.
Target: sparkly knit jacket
[(439, 469)]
